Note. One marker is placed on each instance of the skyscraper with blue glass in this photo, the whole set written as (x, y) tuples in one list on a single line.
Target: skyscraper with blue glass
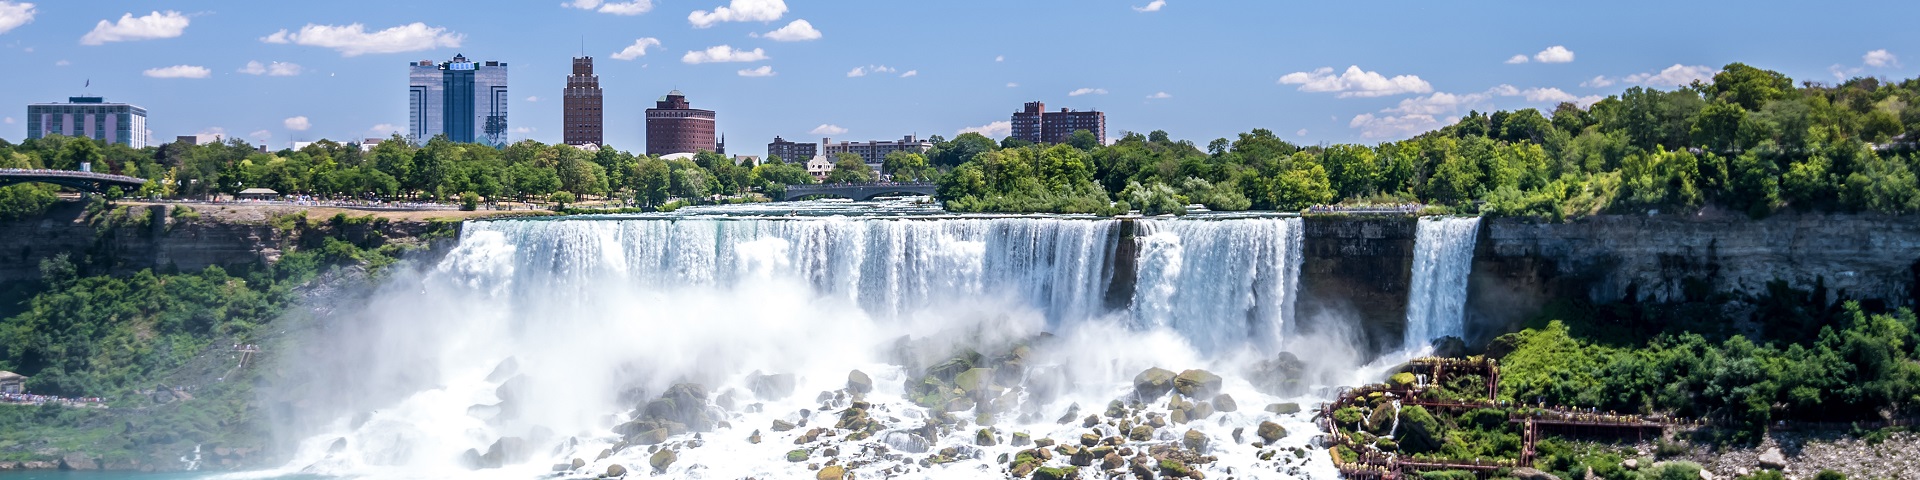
[(462, 99)]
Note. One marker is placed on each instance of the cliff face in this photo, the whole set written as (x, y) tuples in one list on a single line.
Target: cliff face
[(1355, 271), (144, 237), (1519, 265)]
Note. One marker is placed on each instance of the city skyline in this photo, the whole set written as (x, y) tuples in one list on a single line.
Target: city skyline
[(1200, 70)]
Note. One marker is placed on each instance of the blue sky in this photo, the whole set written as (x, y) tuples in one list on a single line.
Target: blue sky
[(1200, 69)]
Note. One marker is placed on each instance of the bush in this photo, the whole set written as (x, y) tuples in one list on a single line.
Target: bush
[(469, 201)]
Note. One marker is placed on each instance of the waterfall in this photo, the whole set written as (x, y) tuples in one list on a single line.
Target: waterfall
[(531, 341), (1219, 282), (1437, 298), (888, 267)]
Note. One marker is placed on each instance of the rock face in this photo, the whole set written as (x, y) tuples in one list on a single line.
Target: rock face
[(1197, 383), (1357, 267), (859, 382), (1520, 264), (161, 241)]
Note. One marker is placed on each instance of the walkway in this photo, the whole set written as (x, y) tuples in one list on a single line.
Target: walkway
[(860, 191), (89, 181)]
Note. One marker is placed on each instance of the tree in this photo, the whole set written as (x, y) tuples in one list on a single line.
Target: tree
[(560, 199), (1749, 87), (651, 181), (850, 169), (1083, 140), (1353, 169), (904, 166), (957, 151)]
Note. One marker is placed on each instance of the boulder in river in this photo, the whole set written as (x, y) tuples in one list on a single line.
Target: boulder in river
[(1197, 383), (1152, 383), (859, 382)]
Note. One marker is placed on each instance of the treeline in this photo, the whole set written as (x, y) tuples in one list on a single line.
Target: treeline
[(1749, 141), (440, 170)]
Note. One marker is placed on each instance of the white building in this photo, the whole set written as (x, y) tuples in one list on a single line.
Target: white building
[(819, 167), (874, 152)]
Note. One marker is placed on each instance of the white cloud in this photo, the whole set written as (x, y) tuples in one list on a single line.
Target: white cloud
[(8, 120), (213, 131), (638, 49), (1153, 6), (1087, 91), (634, 7), (1554, 54), (1391, 126), (1439, 103), (1598, 81), (1012, 85), (14, 14), (763, 71), (154, 25), (870, 69), (524, 130), (1876, 58), (384, 129), (1517, 59), (178, 71), (277, 69), (1548, 95), (798, 31), (828, 129), (999, 129), (1356, 83), (297, 123), (740, 11), (1301, 133), (261, 134), (724, 53), (999, 58), (354, 40), (62, 63), (910, 73), (1158, 95), (533, 98), (1674, 76)]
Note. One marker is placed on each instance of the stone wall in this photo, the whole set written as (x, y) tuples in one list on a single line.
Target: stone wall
[(1354, 274)]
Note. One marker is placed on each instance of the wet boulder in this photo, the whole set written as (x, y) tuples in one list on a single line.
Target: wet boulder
[(770, 387), (1197, 383), (684, 404), (1282, 376), (859, 382), (662, 459), (1270, 432), (1152, 383)]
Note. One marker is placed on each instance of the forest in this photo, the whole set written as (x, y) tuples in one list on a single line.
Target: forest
[(1749, 141)]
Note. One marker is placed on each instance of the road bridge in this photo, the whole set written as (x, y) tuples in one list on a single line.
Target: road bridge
[(88, 181), (860, 191)]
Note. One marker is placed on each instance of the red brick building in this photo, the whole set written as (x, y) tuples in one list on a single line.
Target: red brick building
[(1034, 124), (585, 121), (674, 126)]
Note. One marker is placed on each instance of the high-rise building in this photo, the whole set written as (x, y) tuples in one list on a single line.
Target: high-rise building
[(464, 100), (581, 103), (875, 152), (792, 152), (1035, 124), (90, 117), (674, 126)]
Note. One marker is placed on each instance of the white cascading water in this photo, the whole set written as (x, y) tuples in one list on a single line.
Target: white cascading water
[(1219, 282), (1442, 261), (552, 332)]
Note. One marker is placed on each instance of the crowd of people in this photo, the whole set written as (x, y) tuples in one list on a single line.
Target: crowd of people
[(31, 399), (1400, 208)]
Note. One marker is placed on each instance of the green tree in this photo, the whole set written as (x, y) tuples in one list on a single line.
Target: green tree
[(1749, 87), (849, 168)]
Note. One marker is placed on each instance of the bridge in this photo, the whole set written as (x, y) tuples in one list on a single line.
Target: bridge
[(860, 191), (88, 181)]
